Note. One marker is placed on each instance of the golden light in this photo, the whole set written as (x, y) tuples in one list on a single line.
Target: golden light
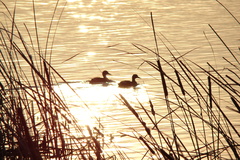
[(91, 53), (83, 29), (97, 94), (71, 0), (86, 101), (84, 116), (92, 105)]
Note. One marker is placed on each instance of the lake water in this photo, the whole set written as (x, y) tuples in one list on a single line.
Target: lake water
[(91, 36)]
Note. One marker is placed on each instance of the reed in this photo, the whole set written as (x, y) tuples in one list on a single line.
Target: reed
[(35, 122), (195, 109)]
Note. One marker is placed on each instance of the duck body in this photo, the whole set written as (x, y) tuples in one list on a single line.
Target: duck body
[(101, 80), (98, 80), (129, 84)]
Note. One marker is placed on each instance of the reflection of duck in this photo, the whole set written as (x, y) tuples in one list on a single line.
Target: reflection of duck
[(128, 84), (99, 80)]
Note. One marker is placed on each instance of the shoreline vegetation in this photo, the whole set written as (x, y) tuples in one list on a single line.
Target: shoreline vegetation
[(35, 122)]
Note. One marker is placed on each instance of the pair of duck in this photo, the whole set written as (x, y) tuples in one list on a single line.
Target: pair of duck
[(122, 84)]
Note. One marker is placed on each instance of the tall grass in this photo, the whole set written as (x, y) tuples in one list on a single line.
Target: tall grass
[(192, 106), (35, 123)]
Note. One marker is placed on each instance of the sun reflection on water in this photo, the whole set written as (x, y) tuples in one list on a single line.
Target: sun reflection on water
[(83, 29), (91, 102), (97, 105), (83, 116)]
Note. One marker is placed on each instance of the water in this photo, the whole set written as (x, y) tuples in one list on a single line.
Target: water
[(92, 36)]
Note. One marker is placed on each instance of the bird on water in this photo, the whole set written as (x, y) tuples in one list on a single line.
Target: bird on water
[(128, 84), (101, 80)]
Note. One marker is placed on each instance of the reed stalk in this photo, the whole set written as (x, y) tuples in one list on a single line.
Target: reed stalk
[(35, 122), (215, 137)]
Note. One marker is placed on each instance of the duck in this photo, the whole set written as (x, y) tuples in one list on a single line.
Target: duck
[(129, 84), (101, 80)]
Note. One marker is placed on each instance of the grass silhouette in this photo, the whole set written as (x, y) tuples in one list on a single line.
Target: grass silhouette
[(36, 123)]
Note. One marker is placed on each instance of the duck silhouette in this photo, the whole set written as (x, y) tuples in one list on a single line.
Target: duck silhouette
[(101, 80), (128, 84)]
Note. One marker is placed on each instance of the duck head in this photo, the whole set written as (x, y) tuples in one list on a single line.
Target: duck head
[(135, 76), (105, 73)]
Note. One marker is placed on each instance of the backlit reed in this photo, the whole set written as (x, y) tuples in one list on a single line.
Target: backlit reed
[(196, 109), (35, 122)]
